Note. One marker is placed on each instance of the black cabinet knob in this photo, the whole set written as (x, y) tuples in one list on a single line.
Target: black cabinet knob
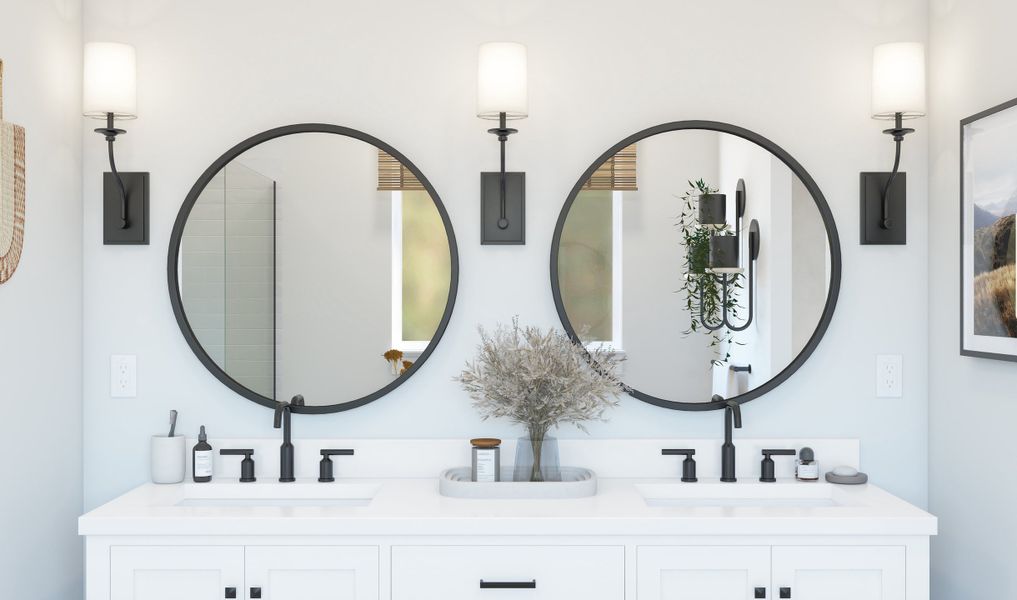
[(760, 593), (256, 593), (785, 592), (231, 593)]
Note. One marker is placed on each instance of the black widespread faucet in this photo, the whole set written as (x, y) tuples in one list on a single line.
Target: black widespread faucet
[(282, 419), (732, 416)]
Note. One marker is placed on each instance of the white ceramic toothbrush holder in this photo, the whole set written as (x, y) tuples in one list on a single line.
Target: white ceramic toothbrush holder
[(169, 459)]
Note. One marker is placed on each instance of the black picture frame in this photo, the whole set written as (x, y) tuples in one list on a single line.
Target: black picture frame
[(176, 238), (824, 210), (963, 274)]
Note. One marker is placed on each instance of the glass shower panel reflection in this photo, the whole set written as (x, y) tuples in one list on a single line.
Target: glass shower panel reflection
[(202, 269), (249, 272), (227, 275)]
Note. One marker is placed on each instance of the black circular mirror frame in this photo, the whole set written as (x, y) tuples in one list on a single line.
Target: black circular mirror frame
[(177, 237), (821, 204)]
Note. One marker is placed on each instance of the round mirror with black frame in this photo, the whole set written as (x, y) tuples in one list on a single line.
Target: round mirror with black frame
[(704, 253), (313, 259)]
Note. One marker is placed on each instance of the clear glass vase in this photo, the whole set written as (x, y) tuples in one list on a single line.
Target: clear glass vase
[(537, 459)]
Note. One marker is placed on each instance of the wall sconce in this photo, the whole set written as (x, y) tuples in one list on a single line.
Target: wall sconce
[(725, 249), (898, 93), (110, 93), (501, 95)]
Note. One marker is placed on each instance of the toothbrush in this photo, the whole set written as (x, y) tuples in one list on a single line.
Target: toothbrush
[(173, 422)]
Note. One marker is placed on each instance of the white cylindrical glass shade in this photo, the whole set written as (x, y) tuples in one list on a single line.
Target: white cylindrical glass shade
[(898, 80), (109, 81), (501, 81)]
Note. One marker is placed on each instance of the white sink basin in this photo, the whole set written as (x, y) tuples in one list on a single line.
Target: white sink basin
[(259, 494), (749, 494)]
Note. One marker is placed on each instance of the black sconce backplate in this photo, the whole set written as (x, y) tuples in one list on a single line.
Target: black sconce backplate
[(137, 209), (872, 209), (515, 208)]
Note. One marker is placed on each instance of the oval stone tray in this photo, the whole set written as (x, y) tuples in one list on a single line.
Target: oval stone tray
[(576, 482)]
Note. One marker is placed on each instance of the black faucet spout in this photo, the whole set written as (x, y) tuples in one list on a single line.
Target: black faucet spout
[(732, 420), (283, 412)]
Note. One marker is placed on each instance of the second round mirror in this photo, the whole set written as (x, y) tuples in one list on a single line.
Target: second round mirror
[(704, 253)]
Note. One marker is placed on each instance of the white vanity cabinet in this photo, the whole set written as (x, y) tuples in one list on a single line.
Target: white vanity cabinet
[(490, 572), (797, 572), (702, 573), (501, 567), (243, 573), (312, 573), (839, 573), (175, 572), (397, 538)]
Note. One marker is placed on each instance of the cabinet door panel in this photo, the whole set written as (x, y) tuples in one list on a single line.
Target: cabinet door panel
[(840, 573), (702, 572), (536, 572), (313, 572), (175, 572)]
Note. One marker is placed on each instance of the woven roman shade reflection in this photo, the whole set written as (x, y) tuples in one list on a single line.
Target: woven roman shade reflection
[(393, 176), (616, 173)]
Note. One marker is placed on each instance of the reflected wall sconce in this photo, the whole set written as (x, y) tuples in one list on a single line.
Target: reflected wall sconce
[(110, 93), (725, 255), (898, 94), (502, 96)]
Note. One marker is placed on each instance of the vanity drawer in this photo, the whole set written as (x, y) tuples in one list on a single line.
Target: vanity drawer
[(523, 572)]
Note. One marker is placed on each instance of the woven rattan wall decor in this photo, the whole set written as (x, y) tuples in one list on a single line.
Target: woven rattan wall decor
[(12, 191)]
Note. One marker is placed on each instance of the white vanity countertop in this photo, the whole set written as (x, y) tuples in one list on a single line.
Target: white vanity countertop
[(414, 507)]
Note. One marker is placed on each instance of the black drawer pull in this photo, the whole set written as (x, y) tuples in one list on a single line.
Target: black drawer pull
[(760, 592), (785, 592), (231, 593), (256, 593), (508, 585)]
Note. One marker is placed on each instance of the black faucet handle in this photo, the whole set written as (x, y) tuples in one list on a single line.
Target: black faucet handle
[(325, 466), (688, 465), (767, 469), (297, 400), (246, 465)]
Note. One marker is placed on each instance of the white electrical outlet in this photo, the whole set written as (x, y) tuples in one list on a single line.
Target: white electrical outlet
[(123, 376), (889, 376)]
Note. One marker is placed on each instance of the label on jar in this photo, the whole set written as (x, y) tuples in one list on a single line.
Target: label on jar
[(486, 465), (808, 471), (202, 463)]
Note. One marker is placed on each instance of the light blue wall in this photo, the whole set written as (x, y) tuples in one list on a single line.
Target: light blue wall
[(40, 309), (796, 71), (973, 402)]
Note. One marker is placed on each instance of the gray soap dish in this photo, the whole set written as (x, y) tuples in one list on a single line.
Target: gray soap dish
[(856, 479), (576, 482)]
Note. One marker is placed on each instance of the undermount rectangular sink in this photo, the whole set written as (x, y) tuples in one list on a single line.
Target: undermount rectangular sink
[(749, 494), (274, 494)]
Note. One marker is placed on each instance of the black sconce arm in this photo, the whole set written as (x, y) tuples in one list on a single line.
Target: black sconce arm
[(898, 132), (502, 131), (111, 133)]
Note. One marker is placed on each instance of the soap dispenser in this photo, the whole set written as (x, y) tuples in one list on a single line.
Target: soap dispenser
[(201, 459), (807, 468)]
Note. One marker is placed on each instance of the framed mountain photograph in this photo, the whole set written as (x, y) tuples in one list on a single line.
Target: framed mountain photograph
[(988, 209)]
